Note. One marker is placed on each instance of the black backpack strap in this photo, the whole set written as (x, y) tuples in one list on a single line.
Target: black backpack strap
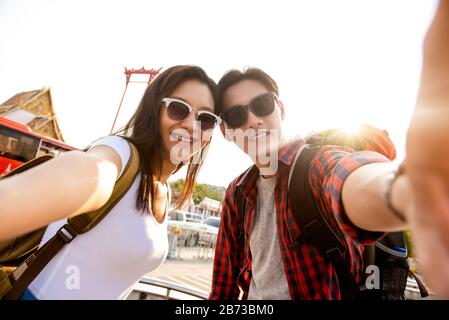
[(242, 208), (422, 288), (313, 225), (242, 237)]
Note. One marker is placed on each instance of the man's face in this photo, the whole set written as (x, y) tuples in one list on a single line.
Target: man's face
[(261, 135)]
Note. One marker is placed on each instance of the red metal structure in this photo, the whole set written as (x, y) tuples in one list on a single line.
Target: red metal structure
[(152, 73), (19, 144)]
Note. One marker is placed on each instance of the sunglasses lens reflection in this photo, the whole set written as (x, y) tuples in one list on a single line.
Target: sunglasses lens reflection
[(236, 117), (177, 111), (208, 121), (261, 106)]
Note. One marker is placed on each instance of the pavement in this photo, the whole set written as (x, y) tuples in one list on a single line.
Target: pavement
[(190, 267)]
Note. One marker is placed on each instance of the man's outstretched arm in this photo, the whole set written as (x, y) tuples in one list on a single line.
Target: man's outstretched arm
[(422, 193)]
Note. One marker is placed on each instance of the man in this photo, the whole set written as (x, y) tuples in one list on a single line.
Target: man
[(349, 188)]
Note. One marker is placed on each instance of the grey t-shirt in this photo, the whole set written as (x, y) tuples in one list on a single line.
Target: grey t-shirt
[(268, 275)]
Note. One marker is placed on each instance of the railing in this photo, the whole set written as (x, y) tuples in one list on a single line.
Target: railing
[(187, 293), (412, 291)]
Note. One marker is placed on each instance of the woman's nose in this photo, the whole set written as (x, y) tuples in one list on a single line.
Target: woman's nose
[(189, 122)]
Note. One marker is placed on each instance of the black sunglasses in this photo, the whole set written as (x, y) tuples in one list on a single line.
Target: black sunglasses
[(261, 106), (178, 110)]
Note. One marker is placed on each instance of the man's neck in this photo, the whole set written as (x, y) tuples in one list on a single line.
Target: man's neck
[(267, 174), (268, 170)]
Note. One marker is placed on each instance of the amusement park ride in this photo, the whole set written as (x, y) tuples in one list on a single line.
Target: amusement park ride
[(152, 73)]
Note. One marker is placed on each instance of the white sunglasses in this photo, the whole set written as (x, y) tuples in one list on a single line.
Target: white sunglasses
[(178, 110)]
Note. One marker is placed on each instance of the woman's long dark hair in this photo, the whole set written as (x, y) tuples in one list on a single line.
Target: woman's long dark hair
[(143, 130)]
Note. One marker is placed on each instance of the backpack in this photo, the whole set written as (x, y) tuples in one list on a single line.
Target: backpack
[(389, 254), (21, 258)]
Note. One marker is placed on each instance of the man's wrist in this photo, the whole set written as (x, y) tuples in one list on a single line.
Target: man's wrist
[(396, 191)]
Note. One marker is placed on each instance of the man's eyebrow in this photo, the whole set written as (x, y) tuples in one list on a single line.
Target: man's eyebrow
[(252, 100)]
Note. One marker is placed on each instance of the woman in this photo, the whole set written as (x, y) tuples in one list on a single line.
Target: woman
[(131, 240)]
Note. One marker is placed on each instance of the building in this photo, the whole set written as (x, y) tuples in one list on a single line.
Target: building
[(209, 207), (34, 109)]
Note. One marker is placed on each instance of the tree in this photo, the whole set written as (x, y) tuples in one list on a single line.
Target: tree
[(200, 191), (176, 189)]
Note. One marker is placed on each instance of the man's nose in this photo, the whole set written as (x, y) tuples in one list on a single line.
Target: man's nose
[(254, 121)]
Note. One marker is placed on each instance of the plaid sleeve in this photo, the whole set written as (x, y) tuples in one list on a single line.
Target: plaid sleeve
[(327, 174), (228, 253)]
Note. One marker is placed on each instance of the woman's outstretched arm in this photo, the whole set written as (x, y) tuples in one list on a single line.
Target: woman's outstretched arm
[(71, 184)]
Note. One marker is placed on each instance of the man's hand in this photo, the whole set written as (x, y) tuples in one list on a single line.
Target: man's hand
[(427, 163), (428, 218)]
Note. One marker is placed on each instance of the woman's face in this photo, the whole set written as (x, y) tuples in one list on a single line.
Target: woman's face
[(182, 139)]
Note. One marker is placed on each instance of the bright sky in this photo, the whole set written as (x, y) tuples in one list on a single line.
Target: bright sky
[(336, 62)]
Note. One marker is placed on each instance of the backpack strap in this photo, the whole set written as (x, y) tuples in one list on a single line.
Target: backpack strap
[(422, 288), (35, 263), (85, 222), (313, 225), (242, 238), (28, 165), (242, 207)]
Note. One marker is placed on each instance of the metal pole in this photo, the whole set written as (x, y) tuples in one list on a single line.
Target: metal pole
[(119, 106), (128, 72)]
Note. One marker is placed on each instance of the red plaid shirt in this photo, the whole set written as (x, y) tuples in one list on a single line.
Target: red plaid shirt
[(309, 276)]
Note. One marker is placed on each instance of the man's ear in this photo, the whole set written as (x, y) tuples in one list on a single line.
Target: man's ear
[(281, 106), (223, 132)]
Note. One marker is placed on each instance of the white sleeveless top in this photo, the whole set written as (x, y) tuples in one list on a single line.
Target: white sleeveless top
[(107, 261)]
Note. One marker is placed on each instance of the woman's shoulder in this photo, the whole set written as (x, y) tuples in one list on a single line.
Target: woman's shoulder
[(119, 144)]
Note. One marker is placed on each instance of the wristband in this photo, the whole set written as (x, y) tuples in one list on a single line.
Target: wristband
[(389, 188)]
